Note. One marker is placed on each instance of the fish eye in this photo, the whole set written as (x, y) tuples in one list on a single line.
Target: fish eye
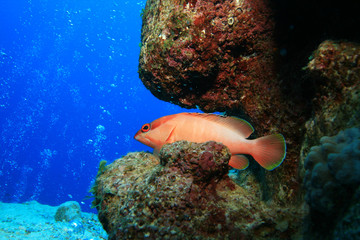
[(146, 127)]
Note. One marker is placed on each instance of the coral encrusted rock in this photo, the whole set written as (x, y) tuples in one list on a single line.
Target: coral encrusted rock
[(222, 56), (186, 194), (336, 67), (331, 179), (215, 55)]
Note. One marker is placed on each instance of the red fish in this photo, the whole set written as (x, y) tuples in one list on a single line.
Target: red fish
[(268, 151)]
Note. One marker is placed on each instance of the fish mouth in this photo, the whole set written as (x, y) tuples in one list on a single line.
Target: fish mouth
[(137, 135), (142, 139)]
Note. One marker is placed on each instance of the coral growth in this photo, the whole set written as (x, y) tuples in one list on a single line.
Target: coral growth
[(336, 68), (188, 196), (331, 169), (215, 55), (210, 165), (332, 176)]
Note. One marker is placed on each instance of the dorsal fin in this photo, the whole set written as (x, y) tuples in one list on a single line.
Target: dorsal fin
[(243, 127)]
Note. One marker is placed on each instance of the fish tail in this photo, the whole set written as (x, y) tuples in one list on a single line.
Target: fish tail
[(270, 151)]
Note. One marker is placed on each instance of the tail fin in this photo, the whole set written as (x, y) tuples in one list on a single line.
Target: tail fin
[(270, 151)]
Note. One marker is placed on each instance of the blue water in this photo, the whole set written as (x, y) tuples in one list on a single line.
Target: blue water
[(70, 95)]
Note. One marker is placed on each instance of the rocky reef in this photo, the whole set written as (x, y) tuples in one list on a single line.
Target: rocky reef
[(335, 67), (331, 169), (186, 194), (216, 55), (251, 59), (331, 180), (222, 56)]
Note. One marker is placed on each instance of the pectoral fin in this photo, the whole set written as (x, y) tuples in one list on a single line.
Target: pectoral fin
[(171, 137)]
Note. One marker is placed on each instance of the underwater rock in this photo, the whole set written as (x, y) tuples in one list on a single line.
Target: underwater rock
[(186, 194), (331, 178), (214, 55), (210, 165), (331, 169), (221, 56), (68, 211), (335, 66)]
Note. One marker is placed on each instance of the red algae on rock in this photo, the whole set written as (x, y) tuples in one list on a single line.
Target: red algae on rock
[(186, 194), (215, 55)]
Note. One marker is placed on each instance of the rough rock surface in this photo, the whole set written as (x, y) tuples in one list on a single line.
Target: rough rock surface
[(215, 55), (336, 66), (329, 176), (188, 196), (332, 176)]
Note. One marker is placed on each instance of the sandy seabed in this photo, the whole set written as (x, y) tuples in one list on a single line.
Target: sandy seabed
[(32, 220)]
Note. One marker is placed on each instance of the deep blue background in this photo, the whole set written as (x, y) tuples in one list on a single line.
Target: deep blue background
[(70, 95)]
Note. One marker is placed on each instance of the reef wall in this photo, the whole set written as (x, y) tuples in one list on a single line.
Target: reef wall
[(186, 194), (330, 164), (335, 67), (247, 59), (222, 56)]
